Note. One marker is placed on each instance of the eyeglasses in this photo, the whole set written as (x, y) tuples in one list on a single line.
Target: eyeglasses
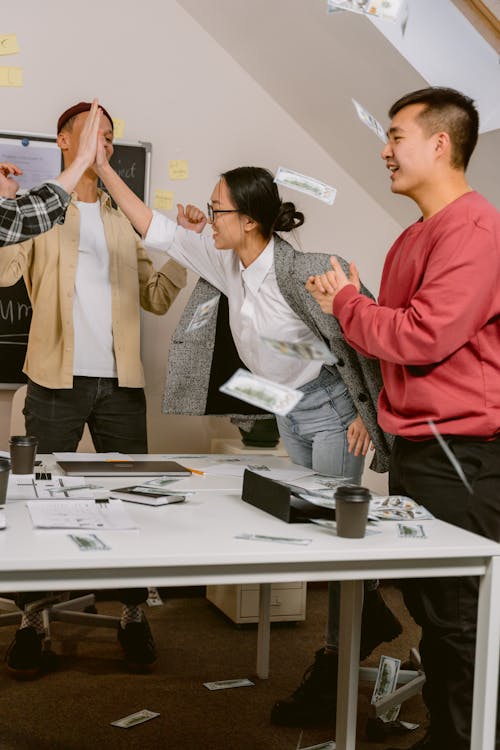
[(211, 211)]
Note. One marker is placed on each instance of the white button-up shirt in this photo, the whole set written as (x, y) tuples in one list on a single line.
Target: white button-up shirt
[(256, 306)]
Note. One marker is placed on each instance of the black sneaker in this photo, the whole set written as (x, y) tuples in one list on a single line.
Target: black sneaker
[(24, 657), (315, 700), (138, 645), (378, 623)]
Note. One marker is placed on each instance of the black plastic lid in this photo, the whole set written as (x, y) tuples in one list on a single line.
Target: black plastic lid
[(352, 492)]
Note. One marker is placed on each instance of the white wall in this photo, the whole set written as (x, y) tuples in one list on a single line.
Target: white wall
[(154, 67)]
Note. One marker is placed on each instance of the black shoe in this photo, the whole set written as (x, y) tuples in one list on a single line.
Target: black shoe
[(24, 657), (315, 700), (138, 645), (378, 624), (424, 744)]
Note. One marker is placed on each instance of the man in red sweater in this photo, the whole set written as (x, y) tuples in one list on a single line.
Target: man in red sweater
[(436, 331)]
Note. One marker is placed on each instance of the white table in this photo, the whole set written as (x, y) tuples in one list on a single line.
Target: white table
[(194, 544)]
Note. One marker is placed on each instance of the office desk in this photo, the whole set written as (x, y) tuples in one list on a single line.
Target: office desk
[(194, 544)]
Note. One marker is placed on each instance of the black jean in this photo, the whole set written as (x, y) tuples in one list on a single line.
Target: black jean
[(116, 417), (446, 608)]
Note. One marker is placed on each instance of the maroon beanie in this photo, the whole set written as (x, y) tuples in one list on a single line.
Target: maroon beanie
[(76, 110)]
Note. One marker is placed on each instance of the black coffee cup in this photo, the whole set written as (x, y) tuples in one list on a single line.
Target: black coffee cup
[(351, 510), (22, 453), (4, 479)]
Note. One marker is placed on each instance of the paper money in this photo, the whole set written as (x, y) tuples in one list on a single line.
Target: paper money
[(450, 455), (398, 508), (388, 9), (408, 530), (202, 314), (307, 185), (279, 539), (273, 397), (132, 719), (370, 121), (302, 349), (154, 599), (227, 684), (87, 542), (386, 682)]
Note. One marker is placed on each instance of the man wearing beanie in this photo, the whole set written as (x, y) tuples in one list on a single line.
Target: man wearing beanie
[(38, 209), (87, 279)]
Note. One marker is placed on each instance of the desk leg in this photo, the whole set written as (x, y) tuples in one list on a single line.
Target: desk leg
[(487, 656), (351, 604), (264, 631)]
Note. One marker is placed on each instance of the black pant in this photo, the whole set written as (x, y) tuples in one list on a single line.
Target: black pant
[(116, 416), (446, 608)]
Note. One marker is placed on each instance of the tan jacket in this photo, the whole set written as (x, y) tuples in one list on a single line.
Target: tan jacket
[(48, 264)]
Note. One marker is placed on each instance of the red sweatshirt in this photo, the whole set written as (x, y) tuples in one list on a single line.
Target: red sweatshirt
[(436, 328)]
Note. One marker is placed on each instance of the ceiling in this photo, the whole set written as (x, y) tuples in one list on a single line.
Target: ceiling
[(313, 64)]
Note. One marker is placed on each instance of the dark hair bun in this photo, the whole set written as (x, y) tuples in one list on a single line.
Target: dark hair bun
[(288, 218)]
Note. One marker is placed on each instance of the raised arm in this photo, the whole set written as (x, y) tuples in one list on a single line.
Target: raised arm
[(41, 207), (86, 154), (134, 209)]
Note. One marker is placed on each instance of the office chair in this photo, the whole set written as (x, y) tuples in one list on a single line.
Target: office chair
[(80, 610)]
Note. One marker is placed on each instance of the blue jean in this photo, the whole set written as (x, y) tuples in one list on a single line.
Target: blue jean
[(315, 435), (315, 432)]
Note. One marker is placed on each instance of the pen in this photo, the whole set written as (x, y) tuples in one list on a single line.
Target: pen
[(195, 471)]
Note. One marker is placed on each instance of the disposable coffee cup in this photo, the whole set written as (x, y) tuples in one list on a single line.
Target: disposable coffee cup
[(4, 479), (351, 511), (22, 453)]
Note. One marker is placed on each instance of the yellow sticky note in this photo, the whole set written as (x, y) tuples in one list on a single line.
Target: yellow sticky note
[(8, 44), (178, 169), (118, 128), (11, 76), (164, 200)]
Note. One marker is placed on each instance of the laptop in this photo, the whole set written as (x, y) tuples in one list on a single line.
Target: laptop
[(123, 468)]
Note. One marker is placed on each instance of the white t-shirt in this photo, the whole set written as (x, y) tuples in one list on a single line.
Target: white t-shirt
[(256, 306), (92, 322)]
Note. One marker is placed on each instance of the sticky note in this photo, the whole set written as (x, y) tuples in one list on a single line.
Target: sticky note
[(8, 44), (178, 169), (11, 76), (164, 200), (118, 127)]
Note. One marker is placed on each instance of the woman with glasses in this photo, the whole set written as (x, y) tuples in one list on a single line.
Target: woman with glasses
[(263, 278)]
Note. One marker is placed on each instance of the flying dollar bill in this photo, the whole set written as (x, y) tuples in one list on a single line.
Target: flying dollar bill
[(370, 121), (389, 9), (273, 397), (302, 349), (202, 314), (307, 185)]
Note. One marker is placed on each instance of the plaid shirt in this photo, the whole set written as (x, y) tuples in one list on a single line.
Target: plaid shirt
[(32, 213)]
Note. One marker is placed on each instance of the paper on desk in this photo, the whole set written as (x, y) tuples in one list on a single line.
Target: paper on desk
[(26, 487), (92, 457), (80, 514)]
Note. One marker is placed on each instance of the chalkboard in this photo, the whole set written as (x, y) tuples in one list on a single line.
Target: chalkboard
[(40, 159)]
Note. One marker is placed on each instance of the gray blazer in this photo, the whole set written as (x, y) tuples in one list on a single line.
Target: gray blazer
[(194, 372)]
